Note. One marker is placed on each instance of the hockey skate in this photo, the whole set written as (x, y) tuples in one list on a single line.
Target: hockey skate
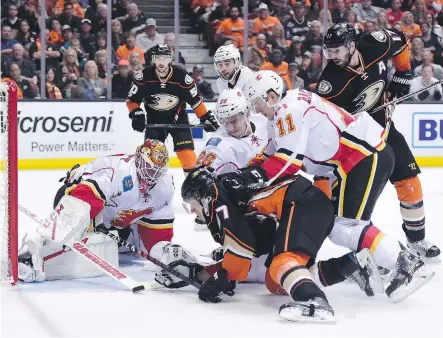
[(200, 225), (408, 276), (30, 261), (313, 310), (425, 249), (367, 276)]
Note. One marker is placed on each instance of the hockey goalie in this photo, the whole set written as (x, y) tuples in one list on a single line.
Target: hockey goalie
[(118, 191)]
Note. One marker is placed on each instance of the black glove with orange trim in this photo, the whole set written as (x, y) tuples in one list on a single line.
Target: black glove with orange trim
[(400, 84), (138, 119), (209, 122), (211, 290)]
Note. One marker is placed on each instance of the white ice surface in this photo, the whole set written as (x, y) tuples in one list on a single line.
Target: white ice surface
[(98, 307)]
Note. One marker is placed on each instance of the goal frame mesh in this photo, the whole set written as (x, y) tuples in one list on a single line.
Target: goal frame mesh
[(9, 188)]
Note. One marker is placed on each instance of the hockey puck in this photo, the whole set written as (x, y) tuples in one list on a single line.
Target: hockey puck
[(138, 288)]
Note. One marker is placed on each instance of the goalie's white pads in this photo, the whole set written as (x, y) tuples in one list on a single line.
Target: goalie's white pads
[(68, 222)]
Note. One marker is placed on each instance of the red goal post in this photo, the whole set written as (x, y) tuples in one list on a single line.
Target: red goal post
[(8, 183)]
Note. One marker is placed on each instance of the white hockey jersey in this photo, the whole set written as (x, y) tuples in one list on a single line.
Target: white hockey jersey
[(239, 81), (114, 179), (226, 154), (307, 126)]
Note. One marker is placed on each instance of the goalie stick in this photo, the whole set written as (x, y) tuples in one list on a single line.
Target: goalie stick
[(82, 250), (102, 229)]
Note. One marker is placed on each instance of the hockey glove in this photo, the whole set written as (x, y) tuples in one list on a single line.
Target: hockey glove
[(211, 290), (209, 122), (400, 84), (243, 183), (171, 282), (138, 120)]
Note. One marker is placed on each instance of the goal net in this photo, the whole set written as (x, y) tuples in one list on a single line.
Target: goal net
[(8, 183)]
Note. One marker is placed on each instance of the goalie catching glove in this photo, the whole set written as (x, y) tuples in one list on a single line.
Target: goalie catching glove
[(138, 119), (209, 122)]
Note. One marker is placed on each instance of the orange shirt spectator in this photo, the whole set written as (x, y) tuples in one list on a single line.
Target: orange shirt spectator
[(78, 11), (265, 22), (122, 53), (232, 28), (434, 6), (408, 26), (282, 69)]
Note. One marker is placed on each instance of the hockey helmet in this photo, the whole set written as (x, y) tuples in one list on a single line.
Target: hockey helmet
[(259, 86), (151, 161), (233, 112), (197, 184), (225, 53), (161, 49), (338, 35)]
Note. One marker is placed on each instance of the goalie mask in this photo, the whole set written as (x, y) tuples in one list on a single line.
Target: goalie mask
[(233, 113), (151, 160)]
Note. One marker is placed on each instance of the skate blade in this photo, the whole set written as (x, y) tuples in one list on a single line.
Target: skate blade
[(431, 260), (417, 282), (365, 259), (296, 315)]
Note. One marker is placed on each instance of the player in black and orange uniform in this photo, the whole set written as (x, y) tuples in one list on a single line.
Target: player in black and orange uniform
[(165, 89), (356, 79)]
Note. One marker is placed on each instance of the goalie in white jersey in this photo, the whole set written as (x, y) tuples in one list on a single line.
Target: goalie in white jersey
[(229, 69), (353, 147), (117, 191)]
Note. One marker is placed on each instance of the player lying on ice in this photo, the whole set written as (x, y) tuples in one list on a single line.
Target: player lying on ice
[(117, 191)]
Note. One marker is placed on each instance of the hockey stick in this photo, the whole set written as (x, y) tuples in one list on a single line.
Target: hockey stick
[(174, 126), (101, 228), (80, 249)]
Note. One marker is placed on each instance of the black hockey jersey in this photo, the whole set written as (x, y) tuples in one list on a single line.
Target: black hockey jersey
[(356, 93), (165, 97)]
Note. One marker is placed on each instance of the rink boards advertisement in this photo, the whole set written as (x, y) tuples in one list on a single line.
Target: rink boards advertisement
[(57, 134)]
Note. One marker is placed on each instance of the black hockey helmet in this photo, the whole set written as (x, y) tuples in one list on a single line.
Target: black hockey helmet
[(161, 49), (338, 35), (197, 184)]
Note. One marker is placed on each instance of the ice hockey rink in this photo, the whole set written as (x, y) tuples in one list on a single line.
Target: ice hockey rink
[(99, 307)]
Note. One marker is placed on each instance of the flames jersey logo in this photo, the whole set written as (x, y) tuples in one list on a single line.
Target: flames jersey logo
[(129, 216)]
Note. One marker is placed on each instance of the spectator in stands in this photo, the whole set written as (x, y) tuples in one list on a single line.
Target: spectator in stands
[(87, 39), (265, 23), (277, 65), (52, 53), (339, 13), (257, 52), (365, 11), (382, 21), (428, 59), (55, 34), (352, 19), (120, 9), (28, 12), (29, 91), (7, 42), (99, 21), (68, 18), (295, 51), (298, 25), (91, 11), (395, 14), (71, 73), (296, 82), (121, 82), (24, 35), (59, 6), (313, 12), (419, 10), (397, 26), (75, 44), (27, 67), (170, 41), (436, 28), (408, 26), (278, 40), (314, 39), (124, 50), (150, 37), (52, 91), (417, 46), (222, 12), (426, 79), (134, 20), (102, 63), (231, 29), (203, 86), (329, 22), (135, 62), (117, 34), (90, 86), (431, 41), (12, 20), (283, 11), (384, 4), (368, 27)]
